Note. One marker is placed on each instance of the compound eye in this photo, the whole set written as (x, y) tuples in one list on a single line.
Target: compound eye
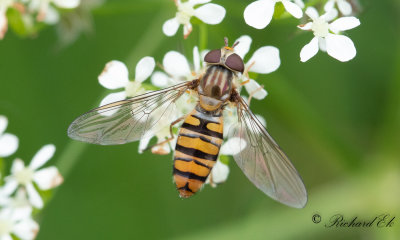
[(235, 62), (213, 56)]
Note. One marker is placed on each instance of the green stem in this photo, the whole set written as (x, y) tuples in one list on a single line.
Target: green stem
[(203, 37)]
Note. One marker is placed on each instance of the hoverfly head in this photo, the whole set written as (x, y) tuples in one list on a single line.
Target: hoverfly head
[(226, 57)]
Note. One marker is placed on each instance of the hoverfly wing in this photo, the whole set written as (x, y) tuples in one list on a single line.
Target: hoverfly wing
[(263, 162), (129, 120)]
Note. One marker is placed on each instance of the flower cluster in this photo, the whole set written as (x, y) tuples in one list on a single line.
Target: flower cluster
[(32, 14), (258, 14), (21, 192), (328, 35)]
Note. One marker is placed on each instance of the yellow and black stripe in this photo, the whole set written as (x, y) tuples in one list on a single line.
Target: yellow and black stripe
[(199, 140)]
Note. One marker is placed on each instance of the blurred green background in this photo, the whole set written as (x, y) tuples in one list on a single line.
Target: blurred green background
[(338, 122)]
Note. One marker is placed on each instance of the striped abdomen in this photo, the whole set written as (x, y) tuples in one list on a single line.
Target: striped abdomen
[(199, 140)]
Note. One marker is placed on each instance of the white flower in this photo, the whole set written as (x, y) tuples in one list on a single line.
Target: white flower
[(22, 175), (209, 13), (218, 175), (343, 6), (20, 225), (264, 60), (46, 12), (115, 75), (162, 147), (4, 5), (258, 14), (299, 3), (18, 204), (8, 142), (177, 69), (327, 37)]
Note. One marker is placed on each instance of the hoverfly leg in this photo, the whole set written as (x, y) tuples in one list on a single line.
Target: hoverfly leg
[(252, 94), (212, 183), (168, 139), (246, 73)]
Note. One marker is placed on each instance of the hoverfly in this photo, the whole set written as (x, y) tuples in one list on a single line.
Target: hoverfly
[(201, 134)]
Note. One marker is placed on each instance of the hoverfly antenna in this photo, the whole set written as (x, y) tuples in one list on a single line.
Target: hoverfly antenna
[(235, 44), (227, 46)]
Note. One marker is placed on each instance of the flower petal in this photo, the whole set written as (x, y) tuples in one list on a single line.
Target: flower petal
[(244, 45), (52, 16), (312, 13), (67, 3), (266, 60), (48, 178), (330, 15), (41, 157), (203, 55), (210, 13), (144, 142), (258, 14), (197, 2), (3, 123), (17, 166), (262, 120), (26, 229), (306, 26), (344, 23), (344, 7), (322, 44), (144, 68), (33, 196), (176, 64), (9, 187), (6, 237), (170, 27), (340, 47), (110, 98), (187, 29), (219, 172), (292, 8), (196, 59), (252, 87), (160, 79), (115, 75), (3, 24), (8, 144), (300, 3), (231, 147), (329, 5), (20, 212), (309, 50)]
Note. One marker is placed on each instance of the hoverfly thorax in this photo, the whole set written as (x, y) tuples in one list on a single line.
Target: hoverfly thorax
[(216, 85)]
